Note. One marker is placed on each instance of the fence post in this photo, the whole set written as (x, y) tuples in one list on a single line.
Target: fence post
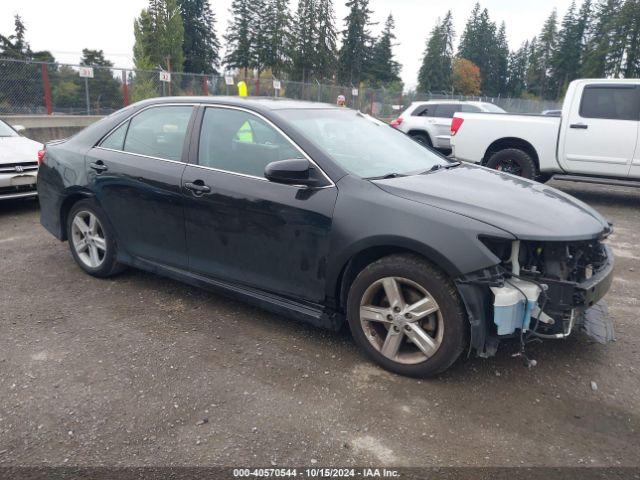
[(47, 89), (205, 86), (125, 89)]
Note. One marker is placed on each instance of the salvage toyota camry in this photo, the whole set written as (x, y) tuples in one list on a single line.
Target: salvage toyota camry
[(324, 215)]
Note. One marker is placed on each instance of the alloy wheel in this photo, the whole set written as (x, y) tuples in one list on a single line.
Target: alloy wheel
[(401, 320), (88, 239)]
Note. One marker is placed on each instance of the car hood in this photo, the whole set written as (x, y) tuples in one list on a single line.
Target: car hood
[(526, 209), (18, 150)]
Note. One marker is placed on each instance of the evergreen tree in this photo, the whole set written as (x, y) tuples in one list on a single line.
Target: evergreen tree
[(239, 50), (569, 51), (544, 52), (355, 53), (159, 36), (435, 72), (105, 90), (517, 72), (383, 69), (15, 46), (278, 35), (326, 41), (304, 43), (260, 44), (500, 62), (598, 59), (630, 15), (480, 44), (19, 81), (200, 46)]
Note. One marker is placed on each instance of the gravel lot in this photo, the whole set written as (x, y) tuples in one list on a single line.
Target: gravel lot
[(140, 370)]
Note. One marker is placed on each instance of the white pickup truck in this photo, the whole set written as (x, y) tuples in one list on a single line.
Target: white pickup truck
[(596, 138)]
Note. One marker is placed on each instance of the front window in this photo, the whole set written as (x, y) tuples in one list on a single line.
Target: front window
[(362, 147), (240, 142), (6, 130)]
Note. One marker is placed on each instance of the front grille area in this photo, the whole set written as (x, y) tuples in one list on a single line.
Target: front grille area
[(18, 167), (17, 189), (566, 261)]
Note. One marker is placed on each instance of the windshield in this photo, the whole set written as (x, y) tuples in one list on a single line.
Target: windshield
[(362, 146), (6, 130)]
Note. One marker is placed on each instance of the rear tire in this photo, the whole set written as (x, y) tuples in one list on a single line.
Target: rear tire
[(514, 161), (392, 332), (422, 138), (91, 240)]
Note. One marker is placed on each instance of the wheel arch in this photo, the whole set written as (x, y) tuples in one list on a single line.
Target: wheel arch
[(511, 142), (364, 253), (421, 131), (72, 197)]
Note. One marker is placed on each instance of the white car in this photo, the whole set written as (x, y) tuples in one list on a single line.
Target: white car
[(595, 139), (18, 163), (430, 122)]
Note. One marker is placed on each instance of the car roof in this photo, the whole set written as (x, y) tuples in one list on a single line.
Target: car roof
[(254, 103)]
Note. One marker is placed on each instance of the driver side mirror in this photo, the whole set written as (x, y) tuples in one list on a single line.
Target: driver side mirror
[(19, 128), (296, 171)]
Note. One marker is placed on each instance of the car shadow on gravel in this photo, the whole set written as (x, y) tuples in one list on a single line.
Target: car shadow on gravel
[(18, 206)]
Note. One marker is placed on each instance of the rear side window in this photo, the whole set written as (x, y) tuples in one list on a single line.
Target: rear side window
[(240, 142), (157, 132), (470, 108), (423, 111), (446, 110), (115, 141), (610, 102)]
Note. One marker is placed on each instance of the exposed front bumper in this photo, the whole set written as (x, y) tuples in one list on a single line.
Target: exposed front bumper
[(18, 185)]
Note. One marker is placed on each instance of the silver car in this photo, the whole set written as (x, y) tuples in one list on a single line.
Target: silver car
[(430, 122), (18, 163)]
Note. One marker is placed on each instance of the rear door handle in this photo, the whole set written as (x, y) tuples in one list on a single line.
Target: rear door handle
[(579, 126), (197, 187), (98, 166)]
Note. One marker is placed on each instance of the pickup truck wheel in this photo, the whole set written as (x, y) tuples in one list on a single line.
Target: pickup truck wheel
[(407, 316), (422, 138), (513, 161)]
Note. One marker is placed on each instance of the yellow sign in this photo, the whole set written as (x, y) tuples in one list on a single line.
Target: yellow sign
[(242, 89)]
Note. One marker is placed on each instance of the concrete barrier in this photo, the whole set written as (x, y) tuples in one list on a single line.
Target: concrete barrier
[(44, 128)]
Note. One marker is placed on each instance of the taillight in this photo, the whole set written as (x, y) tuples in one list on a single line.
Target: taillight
[(397, 122), (456, 123), (41, 157)]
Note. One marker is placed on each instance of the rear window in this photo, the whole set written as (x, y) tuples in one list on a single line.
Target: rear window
[(610, 102)]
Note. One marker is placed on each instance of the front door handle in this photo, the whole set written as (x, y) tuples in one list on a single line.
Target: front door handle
[(98, 166), (580, 126), (198, 187)]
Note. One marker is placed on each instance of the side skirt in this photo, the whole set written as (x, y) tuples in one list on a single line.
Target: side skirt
[(313, 314)]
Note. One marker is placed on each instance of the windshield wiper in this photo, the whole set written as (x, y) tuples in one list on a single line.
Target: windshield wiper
[(386, 176), (439, 166)]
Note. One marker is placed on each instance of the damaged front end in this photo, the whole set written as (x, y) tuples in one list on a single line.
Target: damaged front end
[(541, 289)]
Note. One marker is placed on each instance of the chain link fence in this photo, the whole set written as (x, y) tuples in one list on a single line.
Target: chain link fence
[(56, 88)]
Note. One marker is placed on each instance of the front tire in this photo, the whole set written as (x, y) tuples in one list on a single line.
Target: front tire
[(513, 161), (91, 240), (407, 316)]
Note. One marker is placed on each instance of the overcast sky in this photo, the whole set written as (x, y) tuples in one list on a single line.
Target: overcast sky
[(65, 27)]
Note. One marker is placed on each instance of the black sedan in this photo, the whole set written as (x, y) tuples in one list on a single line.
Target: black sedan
[(328, 216)]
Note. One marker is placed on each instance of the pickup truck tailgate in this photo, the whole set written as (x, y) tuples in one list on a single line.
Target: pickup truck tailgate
[(480, 133)]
